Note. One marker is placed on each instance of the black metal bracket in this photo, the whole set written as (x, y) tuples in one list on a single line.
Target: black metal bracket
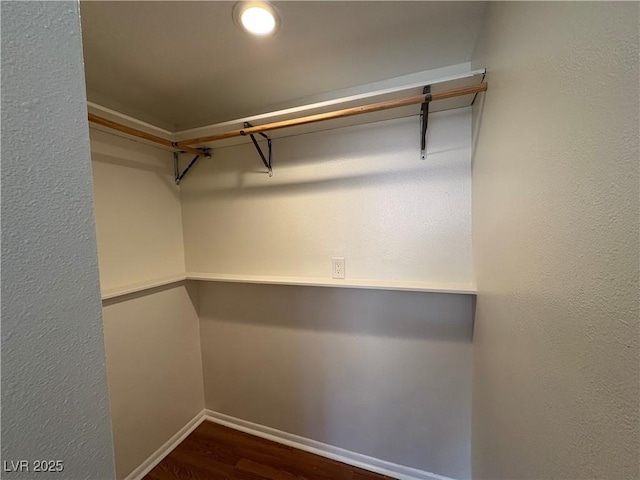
[(424, 121), (267, 162), (178, 176)]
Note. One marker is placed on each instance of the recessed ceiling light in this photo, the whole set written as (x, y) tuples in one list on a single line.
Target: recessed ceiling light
[(257, 18)]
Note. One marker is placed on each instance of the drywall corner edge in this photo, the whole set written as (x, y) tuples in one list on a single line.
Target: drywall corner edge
[(156, 457)]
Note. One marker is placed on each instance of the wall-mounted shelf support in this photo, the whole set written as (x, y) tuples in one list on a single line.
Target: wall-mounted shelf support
[(267, 163), (185, 146), (424, 120), (425, 286), (176, 164)]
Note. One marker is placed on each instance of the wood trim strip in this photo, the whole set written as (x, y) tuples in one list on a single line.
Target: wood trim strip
[(140, 134), (347, 112)]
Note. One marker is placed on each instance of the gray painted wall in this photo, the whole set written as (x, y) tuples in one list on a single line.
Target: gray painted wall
[(54, 387), (154, 368), (555, 218), (382, 373)]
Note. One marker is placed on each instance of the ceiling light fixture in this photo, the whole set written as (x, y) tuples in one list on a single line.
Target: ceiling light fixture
[(257, 18)]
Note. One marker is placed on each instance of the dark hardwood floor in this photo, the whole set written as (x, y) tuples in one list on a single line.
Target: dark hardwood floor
[(214, 452)]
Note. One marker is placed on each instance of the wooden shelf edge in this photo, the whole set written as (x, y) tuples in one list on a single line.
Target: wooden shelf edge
[(429, 287), (141, 286), (430, 77)]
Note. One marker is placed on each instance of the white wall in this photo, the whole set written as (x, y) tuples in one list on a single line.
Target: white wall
[(54, 386), (154, 368), (137, 205), (360, 192), (382, 373), (555, 214), (152, 338)]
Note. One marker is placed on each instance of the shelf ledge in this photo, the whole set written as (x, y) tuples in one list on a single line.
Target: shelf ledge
[(432, 287), (110, 293), (429, 287)]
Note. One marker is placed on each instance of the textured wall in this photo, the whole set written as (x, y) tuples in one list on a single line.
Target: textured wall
[(555, 215), (360, 192), (54, 387), (386, 374), (154, 368), (137, 208)]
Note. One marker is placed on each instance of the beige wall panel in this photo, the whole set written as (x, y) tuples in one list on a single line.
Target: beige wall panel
[(137, 207), (386, 374), (361, 193), (154, 369), (555, 215)]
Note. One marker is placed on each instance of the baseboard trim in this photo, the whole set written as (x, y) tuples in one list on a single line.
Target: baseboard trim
[(156, 457), (335, 453)]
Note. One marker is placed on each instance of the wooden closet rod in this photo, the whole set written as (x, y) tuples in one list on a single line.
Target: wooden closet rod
[(184, 145), (140, 134), (347, 112)]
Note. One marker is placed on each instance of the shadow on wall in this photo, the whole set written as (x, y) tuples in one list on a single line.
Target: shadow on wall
[(135, 158), (191, 288), (240, 186), (478, 109), (381, 153), (416, 315), (161, 170), (382, 373)]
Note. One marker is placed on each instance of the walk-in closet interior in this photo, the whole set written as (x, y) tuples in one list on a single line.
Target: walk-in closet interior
[(378, 362), (400, 236)]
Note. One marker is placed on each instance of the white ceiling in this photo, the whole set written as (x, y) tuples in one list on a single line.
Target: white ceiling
[(185, 64)]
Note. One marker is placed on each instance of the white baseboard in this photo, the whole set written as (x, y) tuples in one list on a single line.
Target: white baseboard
[(157, 456), (335, 453)]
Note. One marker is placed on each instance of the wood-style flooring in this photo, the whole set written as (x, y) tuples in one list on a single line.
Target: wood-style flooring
[(214, 452)]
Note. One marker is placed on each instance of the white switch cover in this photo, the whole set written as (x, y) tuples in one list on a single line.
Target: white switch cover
[(338, 267)]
